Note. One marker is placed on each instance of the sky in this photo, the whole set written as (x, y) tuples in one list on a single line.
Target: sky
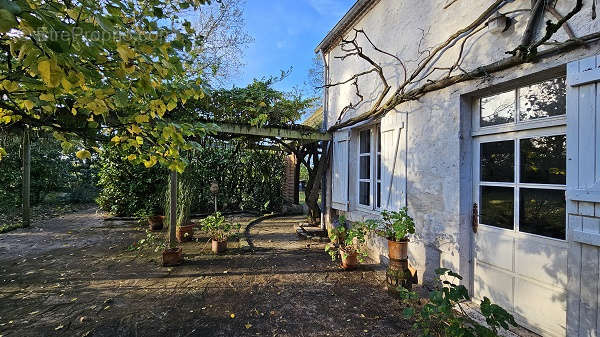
[(285, 34)]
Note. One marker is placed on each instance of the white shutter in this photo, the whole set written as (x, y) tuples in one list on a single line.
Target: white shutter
[(393, 165), (339, 171), (583, 194), (583, 127)]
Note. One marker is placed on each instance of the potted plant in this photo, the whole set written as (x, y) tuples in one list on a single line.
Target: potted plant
[(395, 227), (155, 220), (219, 231), (348, 242), (185, 227)]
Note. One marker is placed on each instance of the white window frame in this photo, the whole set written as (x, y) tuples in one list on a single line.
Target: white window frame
[(373, 180), (518, 124), (515, 131)]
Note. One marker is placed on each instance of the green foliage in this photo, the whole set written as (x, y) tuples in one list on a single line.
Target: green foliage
[(349, 239), (258, 104), (55, 177), (444, 315), (249, 179), (154, 241), (218, 229), (394, 226), (95, 71), (10, 227), (128, 189)]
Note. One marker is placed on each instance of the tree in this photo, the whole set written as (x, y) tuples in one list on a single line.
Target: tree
[(222, 27), (90, 71)]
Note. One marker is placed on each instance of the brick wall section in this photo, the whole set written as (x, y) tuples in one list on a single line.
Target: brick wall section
[(289, 189)]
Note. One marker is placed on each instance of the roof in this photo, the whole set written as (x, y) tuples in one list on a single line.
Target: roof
[(357, 10), (315, 120)]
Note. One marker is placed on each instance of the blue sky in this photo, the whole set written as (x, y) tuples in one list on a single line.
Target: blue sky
[(285, 34)]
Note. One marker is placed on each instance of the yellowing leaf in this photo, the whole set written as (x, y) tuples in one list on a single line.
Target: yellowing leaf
[(150, 162), (50, 72), (47, 97), (28, 104), (135, 129), (142, 119), (74, 111), (172, 105), (83, 154), (125, 52), (131, 157), (116, 139), (2, 153)]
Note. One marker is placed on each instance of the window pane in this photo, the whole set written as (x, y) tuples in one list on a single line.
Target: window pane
[(544, 99), (497, 206), (544, 160), (498, 109), (364, 193), (498, 161), (379, 167), (542, 212), (365, 141), (365, 167), (378, 195)]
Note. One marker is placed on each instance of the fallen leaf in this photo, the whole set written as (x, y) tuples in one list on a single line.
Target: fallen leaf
[(248, 326), (232, 315), (59, 327)]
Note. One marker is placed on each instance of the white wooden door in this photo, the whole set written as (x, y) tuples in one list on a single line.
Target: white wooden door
[(520, 248)]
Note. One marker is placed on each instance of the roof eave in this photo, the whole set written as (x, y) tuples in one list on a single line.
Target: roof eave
[(356, 11)]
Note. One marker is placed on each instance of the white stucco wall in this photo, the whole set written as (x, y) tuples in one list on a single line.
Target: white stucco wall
[(438, 146)]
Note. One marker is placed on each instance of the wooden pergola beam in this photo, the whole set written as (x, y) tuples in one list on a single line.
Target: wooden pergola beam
[(272, 132)]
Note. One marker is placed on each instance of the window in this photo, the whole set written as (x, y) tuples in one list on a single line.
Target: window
[(532, 183), (522, 174), (530, 103), (369, 168)]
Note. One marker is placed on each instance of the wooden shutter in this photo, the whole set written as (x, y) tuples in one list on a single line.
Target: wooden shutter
[(339, 171), (583, 127), (583, 197), (393, 148)]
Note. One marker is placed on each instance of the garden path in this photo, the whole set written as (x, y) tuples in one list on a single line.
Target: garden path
[(73, 276)]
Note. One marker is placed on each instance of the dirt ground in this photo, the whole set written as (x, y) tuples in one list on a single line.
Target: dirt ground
[(73, 276)]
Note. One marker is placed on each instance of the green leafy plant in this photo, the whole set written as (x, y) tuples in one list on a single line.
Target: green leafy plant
[(218, 229), (445, 315), (349, 239), (394, 226), (153, 241)]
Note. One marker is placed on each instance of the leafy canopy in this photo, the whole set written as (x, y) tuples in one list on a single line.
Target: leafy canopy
[(99, 71)]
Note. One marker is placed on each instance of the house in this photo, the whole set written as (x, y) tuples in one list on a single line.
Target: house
[(497, 157)]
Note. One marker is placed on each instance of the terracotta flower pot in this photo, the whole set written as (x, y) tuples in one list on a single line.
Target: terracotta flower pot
[(349, 260), (185, 233), (156, 222), (219, 246), (398, 250), (172, 257)]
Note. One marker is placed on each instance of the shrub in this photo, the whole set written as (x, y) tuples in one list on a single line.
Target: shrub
[(128, 189), (444, 314), (348, 239)]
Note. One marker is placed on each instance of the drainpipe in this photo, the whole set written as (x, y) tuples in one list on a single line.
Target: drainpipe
[(324, 144)]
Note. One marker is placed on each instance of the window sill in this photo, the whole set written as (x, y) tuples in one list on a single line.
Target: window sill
[(358, 214)]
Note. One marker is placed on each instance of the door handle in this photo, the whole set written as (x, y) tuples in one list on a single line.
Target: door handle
[(475, 217)]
